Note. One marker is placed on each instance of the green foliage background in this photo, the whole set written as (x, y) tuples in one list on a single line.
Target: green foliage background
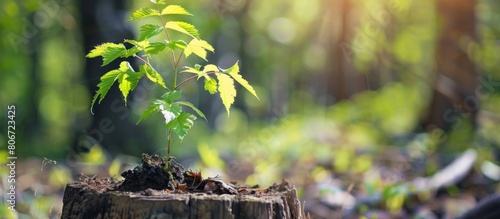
[(281, 45)]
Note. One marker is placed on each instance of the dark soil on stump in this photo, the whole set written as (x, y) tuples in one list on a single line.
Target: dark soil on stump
[(151, 177)]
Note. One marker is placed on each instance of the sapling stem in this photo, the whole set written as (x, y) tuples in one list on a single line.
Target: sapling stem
[(176, 63), (169, 141)]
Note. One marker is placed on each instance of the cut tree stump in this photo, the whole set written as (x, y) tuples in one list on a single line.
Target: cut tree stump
[(82, 202)]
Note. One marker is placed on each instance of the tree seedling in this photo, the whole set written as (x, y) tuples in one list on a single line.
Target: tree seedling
[(216, 80)]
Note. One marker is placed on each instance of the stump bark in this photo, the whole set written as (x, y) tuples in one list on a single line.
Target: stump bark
[(81, 202)]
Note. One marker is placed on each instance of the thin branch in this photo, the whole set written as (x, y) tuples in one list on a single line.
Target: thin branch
[(147, 63), (191, 78), (143, 60), (179, 59), (186, 80)]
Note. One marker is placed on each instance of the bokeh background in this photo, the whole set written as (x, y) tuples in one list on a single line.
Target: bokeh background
[(345, 87)]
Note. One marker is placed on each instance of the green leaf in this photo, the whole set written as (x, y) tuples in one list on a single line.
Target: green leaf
[(176, 109), (199, 48), (211, 85), (160, 2), (127, 79), (130, 52), (234, 72), (183, 27), (211, 68), (178, 44), (171, 96), (188, 104), (207, 69), (174, 9), (168, 114), (193, 70), (152, 75), (181, 124), (155, 48), (143, 12), (139, 44), (153, 108), (133, 42), (107, 80), (108, 51), (149, 30), (226, 90)]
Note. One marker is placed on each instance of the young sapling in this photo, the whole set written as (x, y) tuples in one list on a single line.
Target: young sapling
[(216, 80)]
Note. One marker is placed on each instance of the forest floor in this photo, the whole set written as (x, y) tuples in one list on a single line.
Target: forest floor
[(451, 191)]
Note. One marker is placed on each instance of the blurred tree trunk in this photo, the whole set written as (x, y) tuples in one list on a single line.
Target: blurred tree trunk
[(343, 80), (456, 77), (104, 21)]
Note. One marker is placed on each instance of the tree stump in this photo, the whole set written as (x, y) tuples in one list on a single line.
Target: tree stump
[(277, 201)]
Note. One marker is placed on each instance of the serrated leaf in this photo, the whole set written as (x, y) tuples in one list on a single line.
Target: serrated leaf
[(153, 108), (226, 90), (181, 124), (171, 96), (108, 51), (143, 12), (155, 48), (190, 105), (234, 72), (175, 109), (199, 48), (152, 74), (174, 9), (183, 27), (211, 85), (127, 79), (167, 114), (107, 80), (149, 30)]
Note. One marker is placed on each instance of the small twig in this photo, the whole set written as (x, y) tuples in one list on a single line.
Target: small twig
[(179, 59), (143, 60), (191, 78), (348, 191), (47, 161), (186, 80)]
